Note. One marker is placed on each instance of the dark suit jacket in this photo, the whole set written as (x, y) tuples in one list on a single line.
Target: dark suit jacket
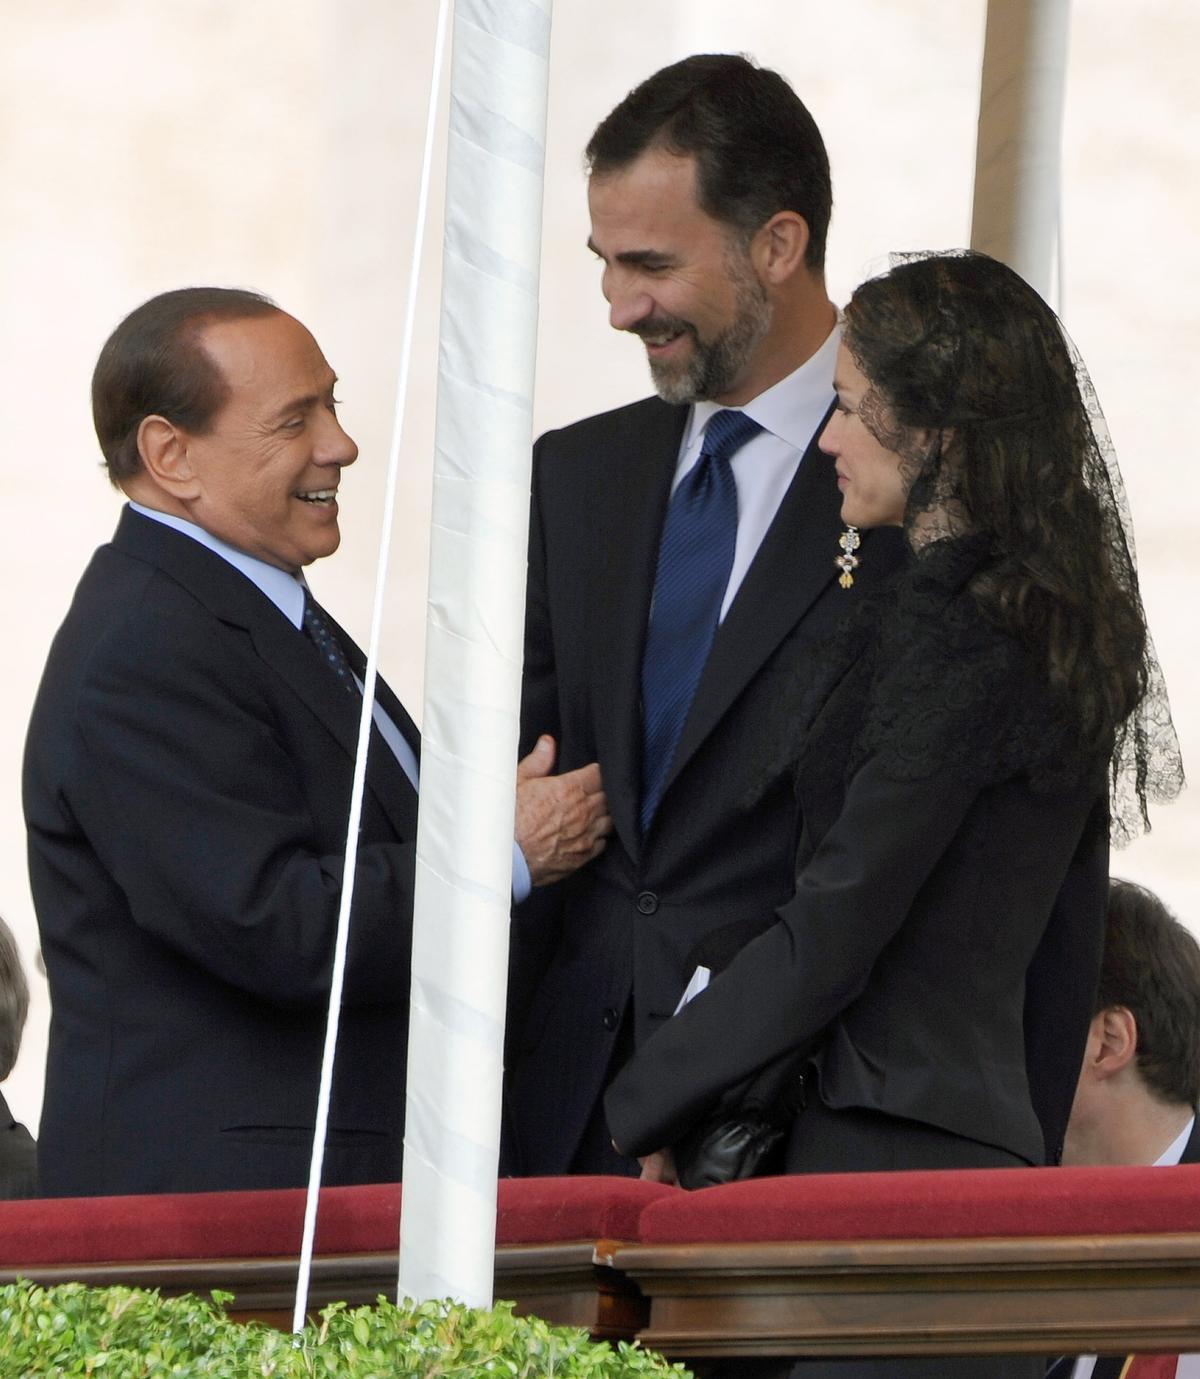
[(937, 838), (187, 778), (619, 934), (18, 1158)]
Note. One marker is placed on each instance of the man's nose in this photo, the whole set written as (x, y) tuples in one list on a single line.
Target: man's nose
[(335, 445), (626, 309)]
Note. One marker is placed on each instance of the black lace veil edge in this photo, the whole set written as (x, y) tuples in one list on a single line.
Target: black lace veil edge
[(1146, 763)]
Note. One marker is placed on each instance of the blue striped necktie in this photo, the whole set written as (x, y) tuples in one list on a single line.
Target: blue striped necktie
[(695, 556)]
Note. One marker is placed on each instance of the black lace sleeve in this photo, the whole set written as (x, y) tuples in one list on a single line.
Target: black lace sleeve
[(953, 695), (920, 682)]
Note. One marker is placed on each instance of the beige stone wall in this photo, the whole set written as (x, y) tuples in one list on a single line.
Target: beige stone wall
[(276, 145)]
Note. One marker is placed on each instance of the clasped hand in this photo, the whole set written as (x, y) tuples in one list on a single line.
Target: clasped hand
[(562, 821)]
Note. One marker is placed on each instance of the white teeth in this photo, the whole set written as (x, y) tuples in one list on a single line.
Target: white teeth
[(321, 495)]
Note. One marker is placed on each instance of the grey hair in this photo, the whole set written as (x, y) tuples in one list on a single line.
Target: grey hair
[(14, 1000)]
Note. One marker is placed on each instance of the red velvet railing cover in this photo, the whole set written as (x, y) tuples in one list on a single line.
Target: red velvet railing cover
[(351, 1220), (859, 1206), (943, 1205)]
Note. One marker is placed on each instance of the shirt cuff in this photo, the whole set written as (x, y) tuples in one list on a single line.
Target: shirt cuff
[(522, 882)]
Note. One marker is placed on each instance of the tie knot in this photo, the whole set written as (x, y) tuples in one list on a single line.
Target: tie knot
[(727, 431)]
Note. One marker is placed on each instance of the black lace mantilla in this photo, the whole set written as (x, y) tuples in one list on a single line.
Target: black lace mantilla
[(979, 391)]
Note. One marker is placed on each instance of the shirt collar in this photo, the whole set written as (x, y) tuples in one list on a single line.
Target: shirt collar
[(1174, 1151), (286, 591), (787, 408)]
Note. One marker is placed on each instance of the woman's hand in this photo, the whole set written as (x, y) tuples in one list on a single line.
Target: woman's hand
[(659, 1167)]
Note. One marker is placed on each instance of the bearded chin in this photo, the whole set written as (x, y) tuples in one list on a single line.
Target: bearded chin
[(714, 368), (680, 384)]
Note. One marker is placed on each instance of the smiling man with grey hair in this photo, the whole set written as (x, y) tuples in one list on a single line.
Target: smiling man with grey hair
[(187, 780)]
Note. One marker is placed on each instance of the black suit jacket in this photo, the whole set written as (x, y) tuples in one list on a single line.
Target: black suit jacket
[(619, 935), (18, 1157), (186, 785), (940, 826)]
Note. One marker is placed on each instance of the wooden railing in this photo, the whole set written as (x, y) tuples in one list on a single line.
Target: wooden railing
[(1049, 1261)]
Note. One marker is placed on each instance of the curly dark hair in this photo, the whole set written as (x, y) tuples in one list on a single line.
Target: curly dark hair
[(962, 346)]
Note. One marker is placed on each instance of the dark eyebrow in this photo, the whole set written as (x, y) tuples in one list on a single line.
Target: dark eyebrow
[(635, 258)]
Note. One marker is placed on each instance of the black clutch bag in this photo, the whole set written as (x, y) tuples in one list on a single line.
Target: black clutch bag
[(746, 1136)]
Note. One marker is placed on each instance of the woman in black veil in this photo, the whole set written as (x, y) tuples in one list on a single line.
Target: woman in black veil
[(962, 741)]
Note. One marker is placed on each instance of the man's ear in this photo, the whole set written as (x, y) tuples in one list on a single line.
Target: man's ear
[(778, 249), (163, 448), (1116, 1049)]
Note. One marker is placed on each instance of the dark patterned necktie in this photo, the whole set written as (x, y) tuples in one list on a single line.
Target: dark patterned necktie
[(695, 556), (321, 635)]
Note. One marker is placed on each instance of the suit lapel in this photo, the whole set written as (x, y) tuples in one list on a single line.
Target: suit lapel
[(793, 566), (630, 488), (235, 600), (385, 776), (287, 651)]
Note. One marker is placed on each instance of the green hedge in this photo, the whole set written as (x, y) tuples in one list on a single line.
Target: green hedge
[(127, 1333)]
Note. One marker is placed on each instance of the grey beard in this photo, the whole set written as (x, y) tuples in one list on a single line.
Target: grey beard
[(715, 367)]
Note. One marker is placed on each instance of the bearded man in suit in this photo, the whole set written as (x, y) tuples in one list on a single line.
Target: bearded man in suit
[(710, 197), (187, 781)]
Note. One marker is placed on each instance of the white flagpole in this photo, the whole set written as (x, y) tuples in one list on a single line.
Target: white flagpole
[(474, 645), (1018, 157)]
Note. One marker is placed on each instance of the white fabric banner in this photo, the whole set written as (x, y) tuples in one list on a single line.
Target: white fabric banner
[(474, 646)]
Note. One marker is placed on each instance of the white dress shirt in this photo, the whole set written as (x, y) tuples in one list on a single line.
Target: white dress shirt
[(789, 413), (286, 591)]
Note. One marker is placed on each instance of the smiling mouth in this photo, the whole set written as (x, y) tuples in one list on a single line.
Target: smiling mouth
[(322, 497), (658, 342), (660, 334)]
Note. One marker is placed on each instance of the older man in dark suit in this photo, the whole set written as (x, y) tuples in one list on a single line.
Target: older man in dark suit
[(18, 1154), (187, 781)]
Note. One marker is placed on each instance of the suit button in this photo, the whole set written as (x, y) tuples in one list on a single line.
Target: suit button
[(611, 1017), (647, 903)]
